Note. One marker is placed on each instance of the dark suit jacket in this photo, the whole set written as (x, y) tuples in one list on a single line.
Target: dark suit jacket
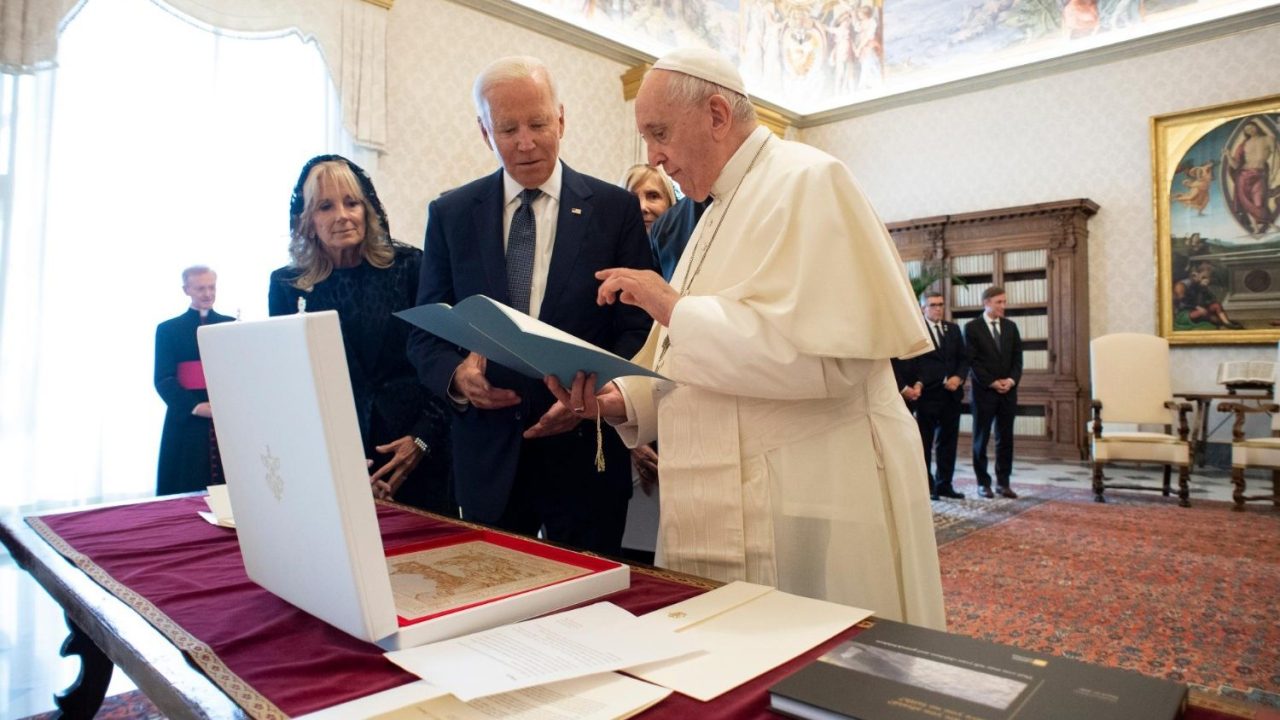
[(184, 442), (932, 369), (987, 363), (599, 226)]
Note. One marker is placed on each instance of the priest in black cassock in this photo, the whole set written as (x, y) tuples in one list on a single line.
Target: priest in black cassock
[(188, 450)]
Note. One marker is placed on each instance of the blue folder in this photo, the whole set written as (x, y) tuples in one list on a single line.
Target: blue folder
[(522, 343)]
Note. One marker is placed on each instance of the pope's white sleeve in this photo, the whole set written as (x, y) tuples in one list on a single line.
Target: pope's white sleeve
[(641, 425), (723, 345)]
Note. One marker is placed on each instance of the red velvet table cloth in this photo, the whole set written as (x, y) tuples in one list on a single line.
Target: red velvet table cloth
[(187, 578)]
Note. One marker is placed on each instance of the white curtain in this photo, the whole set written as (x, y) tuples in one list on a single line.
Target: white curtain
[(132, 160), (351, 35)]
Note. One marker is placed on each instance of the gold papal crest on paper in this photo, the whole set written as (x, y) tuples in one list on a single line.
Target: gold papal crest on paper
[(275, 481), (439, 579)]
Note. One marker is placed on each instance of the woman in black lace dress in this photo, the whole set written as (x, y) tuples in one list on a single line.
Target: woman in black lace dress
[(345, 260)]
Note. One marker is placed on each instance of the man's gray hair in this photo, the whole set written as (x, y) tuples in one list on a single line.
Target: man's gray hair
[(687, 90), (507, 69), (195, 270)]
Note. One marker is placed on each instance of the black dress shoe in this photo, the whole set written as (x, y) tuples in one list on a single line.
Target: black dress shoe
[(933, 496), (985, 491), (1007, 492), (950, 493)]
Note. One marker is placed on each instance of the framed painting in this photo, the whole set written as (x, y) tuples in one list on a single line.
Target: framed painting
[(1216, 173)]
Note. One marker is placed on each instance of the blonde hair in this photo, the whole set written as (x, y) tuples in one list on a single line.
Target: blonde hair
[(641, 172), (308, 256)]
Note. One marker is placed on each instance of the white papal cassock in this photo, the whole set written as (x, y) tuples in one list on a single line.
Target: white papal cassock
[(786, 455)]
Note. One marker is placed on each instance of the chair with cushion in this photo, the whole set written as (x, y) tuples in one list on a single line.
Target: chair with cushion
[(1262, 452), (1132, 385)]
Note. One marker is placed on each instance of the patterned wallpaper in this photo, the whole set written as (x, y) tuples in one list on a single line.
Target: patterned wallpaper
[(435, 49), (1083, 133)]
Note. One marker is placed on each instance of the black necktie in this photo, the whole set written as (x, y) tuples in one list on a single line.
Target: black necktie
[(520, 245), (995, 332), (937, 335)]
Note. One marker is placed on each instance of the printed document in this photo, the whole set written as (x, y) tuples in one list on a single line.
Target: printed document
[(746, 630), (590, 640)]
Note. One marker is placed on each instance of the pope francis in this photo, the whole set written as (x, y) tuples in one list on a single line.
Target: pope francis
[(786, 456)]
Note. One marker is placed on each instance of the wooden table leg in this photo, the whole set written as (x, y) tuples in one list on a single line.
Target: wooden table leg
[(84, 697)]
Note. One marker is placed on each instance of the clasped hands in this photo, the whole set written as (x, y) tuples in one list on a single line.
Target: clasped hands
[(1002, 385)]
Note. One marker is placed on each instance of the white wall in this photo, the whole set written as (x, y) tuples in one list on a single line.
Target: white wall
[(1083, 133)]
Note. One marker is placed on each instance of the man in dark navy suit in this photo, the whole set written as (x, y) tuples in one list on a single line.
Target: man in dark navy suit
[(933, 386), (995, 369), (531, 235)]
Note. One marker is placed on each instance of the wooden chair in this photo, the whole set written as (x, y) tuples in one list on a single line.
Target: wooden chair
[(1131, 383), (1263, 452)]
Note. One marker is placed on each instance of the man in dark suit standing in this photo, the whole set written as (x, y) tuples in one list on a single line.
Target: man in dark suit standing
[(531, 235), (933, 386), (188, 451), (995, 369)]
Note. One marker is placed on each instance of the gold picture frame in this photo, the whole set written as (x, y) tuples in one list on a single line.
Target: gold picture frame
[(1216, 184)]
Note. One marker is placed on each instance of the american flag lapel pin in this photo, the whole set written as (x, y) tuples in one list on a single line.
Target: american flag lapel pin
[(575, 211)]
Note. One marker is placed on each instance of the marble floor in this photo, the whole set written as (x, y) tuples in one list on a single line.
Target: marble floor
[(32, 627)]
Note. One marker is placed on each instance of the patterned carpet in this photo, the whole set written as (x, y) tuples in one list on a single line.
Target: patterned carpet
[(1139, 583)]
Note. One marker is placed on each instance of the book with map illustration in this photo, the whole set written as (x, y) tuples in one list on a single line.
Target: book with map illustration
[(305, 516), (895, 671)]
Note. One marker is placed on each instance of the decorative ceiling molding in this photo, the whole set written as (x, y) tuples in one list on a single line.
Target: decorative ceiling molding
[(525, 17), (384, 4)]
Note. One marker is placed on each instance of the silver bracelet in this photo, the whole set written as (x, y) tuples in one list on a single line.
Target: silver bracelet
[(422, 445)]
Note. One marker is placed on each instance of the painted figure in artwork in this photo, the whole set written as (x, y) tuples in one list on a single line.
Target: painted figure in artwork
[(1253, 172), (1193, 295), (1080, 18), (1197, 183), (1124, 13), (868, 48), (844, 55)]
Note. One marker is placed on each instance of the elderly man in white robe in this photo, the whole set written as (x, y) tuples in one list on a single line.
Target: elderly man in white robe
[(787, 457)]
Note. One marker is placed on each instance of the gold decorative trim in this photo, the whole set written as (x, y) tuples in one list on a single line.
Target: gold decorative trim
[(253, 702), (631, 80), (384, 4), (775, 121)]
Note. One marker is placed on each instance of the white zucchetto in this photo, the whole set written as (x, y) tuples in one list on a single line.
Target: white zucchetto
[(703, 64)]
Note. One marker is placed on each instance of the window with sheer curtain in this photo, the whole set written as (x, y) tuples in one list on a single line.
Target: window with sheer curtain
[(155, 144)]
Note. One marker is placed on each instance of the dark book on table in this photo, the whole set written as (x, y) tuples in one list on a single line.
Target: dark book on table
[(894, 671)]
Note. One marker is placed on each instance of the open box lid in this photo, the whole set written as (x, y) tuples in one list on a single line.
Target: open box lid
[(295, 468)]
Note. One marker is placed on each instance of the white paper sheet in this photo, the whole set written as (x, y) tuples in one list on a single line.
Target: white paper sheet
[(219, 507), (594, 639), (746, 630), (596, 697), (388, 701)]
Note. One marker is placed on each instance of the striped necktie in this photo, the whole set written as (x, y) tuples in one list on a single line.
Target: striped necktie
[(520, 245)]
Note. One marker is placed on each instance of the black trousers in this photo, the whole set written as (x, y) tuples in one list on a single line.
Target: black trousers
[(938, 417), (990, 407), (557, 489)]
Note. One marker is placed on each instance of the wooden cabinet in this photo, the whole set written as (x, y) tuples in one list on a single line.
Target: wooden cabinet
[(1039, 254)]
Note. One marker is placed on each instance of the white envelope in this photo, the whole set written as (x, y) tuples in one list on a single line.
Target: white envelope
[(746, 630)]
